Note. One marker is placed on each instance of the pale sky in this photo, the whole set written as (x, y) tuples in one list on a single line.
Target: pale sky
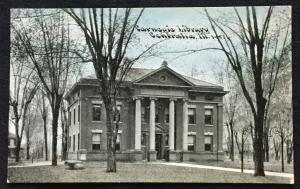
[(204, 61)]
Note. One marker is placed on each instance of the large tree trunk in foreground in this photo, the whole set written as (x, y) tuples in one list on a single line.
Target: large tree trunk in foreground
[(55, 112), (111, 151)]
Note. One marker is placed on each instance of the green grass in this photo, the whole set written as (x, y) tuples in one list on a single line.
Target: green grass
[(132, 172)]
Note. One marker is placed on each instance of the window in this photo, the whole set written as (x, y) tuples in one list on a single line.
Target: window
[(167, 140), (192, 115), (208, 116), (118, 142), (78, 113), (162, 78), (156, 117), (74, 116), (73, 143), (78, 143), (143, 140), (69, 142), (70, 118), (11, 142), (208, 143), (96, 141), (119, 116), (191, 143), (96, 112), (143, 114), (166, 115)]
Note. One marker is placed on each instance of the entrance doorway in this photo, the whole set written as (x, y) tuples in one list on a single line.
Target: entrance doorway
[(158, 145)]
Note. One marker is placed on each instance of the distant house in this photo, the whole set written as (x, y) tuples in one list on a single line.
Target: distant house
[(163, 115), (12, 146)]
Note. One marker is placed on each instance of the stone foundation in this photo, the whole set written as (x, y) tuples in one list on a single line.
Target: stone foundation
[(127, 156), (152, 155), (133, 156), (203, 156)]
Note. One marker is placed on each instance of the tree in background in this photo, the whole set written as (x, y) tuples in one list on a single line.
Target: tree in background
[(44, 36), (30, 126), (43, 110), (22, 90)]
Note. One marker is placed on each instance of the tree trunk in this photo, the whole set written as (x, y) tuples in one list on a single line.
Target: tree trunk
[(27, 148), (18, 149), (232, 142), (55, 114), (259, 152), (45, 138), (64, 143), (282, 155), (111, 152), (242, 155), (259, 119), (289, 151), (266, 146)]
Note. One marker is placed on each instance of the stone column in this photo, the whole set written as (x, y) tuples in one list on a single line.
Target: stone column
[(171, 124), (152, 124), (152, 152), (172, 153), (137, 143), (185, 125)]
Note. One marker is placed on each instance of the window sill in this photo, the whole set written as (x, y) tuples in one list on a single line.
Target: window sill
[(208, 125), (119, 122), (96, 121), (193, 124)]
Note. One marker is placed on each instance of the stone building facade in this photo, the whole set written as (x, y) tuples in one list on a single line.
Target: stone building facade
[(163, 115)]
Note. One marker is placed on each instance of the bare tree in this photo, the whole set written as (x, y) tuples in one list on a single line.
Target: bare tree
[(108, 34), (240, 139), (44, 36), (43, 109), (30, 126), (22, 90), (227, 79), (253, 41)]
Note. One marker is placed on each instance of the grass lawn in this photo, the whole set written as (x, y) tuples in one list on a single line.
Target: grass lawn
[(132, 172)]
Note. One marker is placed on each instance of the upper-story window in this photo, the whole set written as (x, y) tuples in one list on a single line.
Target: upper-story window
[(192, 115), (166, 115), (78, 113), (74, 112), (119, 115), (143, 115), (70, 118), (208, 116), (96, 112)]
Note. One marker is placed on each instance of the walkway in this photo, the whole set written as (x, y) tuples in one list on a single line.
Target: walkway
[(267, 173), (35, 164)]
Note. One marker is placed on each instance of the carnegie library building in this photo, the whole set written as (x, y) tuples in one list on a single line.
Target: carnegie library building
[(163, 115)]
